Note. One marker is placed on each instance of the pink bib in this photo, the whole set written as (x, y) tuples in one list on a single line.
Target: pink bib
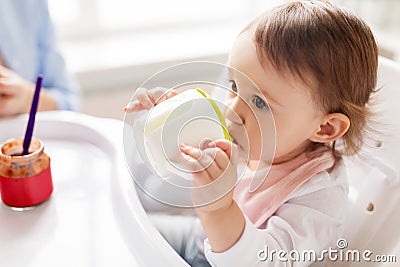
[(282, 180)]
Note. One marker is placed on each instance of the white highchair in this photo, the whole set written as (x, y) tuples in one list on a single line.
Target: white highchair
[(374, 188)]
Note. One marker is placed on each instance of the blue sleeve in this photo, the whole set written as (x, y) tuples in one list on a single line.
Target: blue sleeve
[(59, 83)]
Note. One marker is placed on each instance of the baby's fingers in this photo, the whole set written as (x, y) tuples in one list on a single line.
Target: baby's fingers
[(133, 106), (142, 100), (146, 99), (211, 160), (201, 165), (229, 148), (161, 94)]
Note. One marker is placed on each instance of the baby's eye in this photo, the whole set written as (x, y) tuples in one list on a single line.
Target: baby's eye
[(233, 86), (259, 102)]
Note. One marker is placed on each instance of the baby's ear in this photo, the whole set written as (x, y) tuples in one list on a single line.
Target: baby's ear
[(332, 127)]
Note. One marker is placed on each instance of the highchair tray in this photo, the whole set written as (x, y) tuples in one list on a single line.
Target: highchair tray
[(93, 217)]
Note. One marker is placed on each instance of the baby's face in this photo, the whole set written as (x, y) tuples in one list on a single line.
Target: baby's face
[(281, 99)]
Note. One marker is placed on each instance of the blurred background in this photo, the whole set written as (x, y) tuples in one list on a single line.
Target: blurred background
[(113, 46)]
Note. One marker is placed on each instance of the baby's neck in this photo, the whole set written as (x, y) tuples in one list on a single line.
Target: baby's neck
[(254, 165), (259, 164)]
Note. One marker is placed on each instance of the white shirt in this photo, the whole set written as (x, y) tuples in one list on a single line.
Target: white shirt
[(311, 220)]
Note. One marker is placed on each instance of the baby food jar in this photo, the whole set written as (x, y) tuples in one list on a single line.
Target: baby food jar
[(25, 180)]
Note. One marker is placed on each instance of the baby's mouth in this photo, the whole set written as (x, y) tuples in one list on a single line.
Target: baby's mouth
[(232, 137), (237, 142), (234, 140)]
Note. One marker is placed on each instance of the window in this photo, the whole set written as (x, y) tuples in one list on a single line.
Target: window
[(124, 31), (88, 18)]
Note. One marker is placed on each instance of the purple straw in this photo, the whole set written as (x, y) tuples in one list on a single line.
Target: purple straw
[(32, 114)]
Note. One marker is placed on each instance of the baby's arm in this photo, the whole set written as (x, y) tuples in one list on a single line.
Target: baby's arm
[(222, 220), (223, 227)]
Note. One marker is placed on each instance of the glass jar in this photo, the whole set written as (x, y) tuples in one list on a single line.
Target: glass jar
[(14, 165), (25, 180)]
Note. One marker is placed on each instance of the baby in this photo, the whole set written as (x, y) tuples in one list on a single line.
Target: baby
[(315, 64)]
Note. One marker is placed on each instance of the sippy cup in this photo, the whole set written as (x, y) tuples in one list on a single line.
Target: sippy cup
[(191, 118)]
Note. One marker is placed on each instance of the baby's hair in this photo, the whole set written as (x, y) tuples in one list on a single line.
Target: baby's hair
[(332, 44)]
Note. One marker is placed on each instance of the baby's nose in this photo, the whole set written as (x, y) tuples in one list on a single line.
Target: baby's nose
[(233, 116), (234, 111)]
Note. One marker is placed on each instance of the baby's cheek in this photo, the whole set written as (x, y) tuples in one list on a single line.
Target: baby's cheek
[(265, 147)]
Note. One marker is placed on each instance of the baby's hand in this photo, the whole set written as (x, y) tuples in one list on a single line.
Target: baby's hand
[(215, 174), (146, 99)]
